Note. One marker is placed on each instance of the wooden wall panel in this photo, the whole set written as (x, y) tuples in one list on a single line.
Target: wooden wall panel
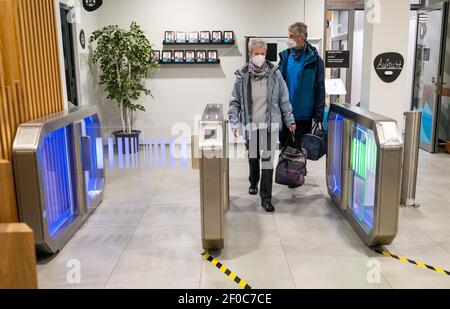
[(30, 81), (8, 214), (17, 257)]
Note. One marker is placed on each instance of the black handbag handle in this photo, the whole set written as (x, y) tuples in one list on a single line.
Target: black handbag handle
[(291, 136)]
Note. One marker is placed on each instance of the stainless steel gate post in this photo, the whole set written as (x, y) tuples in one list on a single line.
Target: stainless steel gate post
[(214, 176), (411, 159)]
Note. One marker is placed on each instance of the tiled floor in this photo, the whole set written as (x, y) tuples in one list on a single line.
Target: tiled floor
[(146, 234)]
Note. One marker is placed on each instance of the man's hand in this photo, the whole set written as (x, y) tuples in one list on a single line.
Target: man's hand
[(236, 133), (293, 128)]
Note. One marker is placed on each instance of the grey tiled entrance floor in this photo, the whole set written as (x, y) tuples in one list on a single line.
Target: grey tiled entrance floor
[(146, 234)]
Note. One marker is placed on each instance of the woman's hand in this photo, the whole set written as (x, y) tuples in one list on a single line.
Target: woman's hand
[(293, 128), (236, 133)]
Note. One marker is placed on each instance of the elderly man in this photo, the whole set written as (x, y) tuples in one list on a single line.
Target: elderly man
[(303, 70), (263, 116)]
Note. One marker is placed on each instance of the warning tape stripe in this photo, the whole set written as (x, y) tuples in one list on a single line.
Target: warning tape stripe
[(226, 271), (406, 260)]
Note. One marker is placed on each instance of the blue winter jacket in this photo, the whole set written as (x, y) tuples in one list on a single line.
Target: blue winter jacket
[(310, 97)]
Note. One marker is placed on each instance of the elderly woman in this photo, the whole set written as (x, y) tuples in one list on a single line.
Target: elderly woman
[(260, 103)]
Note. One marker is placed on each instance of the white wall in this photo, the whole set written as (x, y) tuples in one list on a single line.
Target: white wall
[(314, 17), (182, 92), (391, 34), (358, 60)]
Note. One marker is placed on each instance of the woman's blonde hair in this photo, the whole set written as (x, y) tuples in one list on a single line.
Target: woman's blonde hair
[(256, 43)]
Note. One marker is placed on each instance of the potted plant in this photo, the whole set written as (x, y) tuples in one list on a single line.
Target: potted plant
[(124, 57)]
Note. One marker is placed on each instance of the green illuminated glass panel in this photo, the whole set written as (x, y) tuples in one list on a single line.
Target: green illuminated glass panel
[(363, 176)]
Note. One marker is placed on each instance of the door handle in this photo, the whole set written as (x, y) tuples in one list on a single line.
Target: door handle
[(440, 85)]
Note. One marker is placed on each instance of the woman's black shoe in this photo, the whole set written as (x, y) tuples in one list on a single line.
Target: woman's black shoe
[(253, 191), (268, 207)]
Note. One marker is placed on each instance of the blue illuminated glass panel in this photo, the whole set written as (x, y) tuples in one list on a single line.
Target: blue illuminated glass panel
[(336, 124), (90, 128), (54, 160), (363, 164)]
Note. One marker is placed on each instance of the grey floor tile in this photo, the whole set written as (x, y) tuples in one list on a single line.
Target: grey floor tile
[(394, 268), (171, 215), (94, 266), (420, 282), (296, 231), (430, 208), (96, 238), (149, 236), (438, 229), (341, 283), (163, 285), (322, 265), (71, 287), (256, 285), (427, 252), (140, 196), (251, 230), (117, 215), (250, 264), (409, 232), (445, 245), (141, 266)]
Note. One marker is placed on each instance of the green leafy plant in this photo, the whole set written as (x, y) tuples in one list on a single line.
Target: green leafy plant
[(124, 60)]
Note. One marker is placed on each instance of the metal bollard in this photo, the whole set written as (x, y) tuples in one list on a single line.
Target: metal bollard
[(411, 159)]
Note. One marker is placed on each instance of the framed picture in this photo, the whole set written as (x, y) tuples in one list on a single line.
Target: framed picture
[(228, 36), (200, 56), (156, 56), (212, 56), (217, 36), (169, 37), (205, 36), (178, 56), (166, 56), (193, 37), (181, 37), (189, 56)]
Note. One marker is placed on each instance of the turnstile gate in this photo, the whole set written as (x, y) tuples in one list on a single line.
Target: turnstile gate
[(59, 174), (364, 167), (214, 176)]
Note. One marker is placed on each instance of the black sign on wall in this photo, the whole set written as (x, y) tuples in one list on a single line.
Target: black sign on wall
[(389, 66), (337, 59), (272, 49), (92, 5), (83, 39)]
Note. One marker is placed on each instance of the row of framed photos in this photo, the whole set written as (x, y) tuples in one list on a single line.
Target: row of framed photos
[(199, 37), (185, 56)]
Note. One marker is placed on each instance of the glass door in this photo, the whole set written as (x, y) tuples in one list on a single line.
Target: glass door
[(444, 115), (69, 56), (428, 72), (337, 39)]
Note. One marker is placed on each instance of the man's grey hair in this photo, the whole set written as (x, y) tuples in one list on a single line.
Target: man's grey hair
[(299, 29), (256, 43)]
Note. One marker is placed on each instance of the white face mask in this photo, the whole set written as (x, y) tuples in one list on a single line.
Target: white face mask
[(291, 43), (259, 60)]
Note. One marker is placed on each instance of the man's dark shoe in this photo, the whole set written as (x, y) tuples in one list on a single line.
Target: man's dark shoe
[(268, 207), (253, 190)]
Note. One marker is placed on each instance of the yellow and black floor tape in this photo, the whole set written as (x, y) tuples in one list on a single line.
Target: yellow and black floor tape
[(226, 271), (406, 260)]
